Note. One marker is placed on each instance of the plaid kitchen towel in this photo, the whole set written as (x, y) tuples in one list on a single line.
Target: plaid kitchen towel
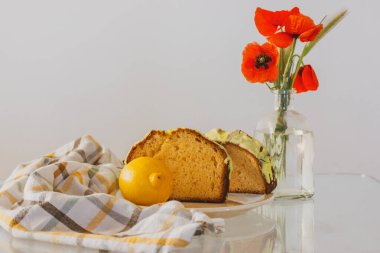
[(71, 196)]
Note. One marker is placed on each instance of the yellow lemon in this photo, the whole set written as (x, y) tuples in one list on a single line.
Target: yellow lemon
[(146, 181)]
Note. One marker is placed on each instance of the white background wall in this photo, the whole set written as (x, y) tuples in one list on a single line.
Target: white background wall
[(116, 69)]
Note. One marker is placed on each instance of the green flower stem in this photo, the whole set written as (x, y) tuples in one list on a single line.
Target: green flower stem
[(278, 141), (299, 63), (288, 65), (277, 145)]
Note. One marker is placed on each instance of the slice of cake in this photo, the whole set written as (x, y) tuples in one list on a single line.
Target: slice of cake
[(252, 168), (200, 167)]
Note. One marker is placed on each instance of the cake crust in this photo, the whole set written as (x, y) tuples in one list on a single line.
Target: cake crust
[(140, 144)]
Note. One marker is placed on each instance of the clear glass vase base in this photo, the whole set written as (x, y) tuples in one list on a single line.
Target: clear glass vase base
[(291, 194)]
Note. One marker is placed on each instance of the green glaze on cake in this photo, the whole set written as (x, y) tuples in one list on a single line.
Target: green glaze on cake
[(249, 143)]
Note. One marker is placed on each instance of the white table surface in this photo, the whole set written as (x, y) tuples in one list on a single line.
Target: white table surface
[(343, 216)]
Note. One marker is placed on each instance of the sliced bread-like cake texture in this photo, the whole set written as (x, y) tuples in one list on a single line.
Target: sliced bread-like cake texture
[(252, 168), (200, 167)]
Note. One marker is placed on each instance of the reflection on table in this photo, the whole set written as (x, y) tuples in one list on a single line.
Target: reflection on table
[(294, 223), (249, 232)]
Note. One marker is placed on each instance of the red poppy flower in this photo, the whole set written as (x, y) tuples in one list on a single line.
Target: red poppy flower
[(269, 22), (306, 79), (311, 34), (260, 63), (281, 39), (303, 27), (282, 27)]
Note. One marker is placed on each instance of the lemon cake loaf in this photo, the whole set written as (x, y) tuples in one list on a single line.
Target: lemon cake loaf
[(200, 167), (252, 168)]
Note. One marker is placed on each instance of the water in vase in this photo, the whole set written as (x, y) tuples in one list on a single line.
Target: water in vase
[(292, 157)]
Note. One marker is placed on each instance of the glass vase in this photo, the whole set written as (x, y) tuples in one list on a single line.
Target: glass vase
[(290, 142)]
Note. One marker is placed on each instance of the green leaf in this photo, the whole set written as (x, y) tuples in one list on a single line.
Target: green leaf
[(284, 56), (326, 28), (285, 53)]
